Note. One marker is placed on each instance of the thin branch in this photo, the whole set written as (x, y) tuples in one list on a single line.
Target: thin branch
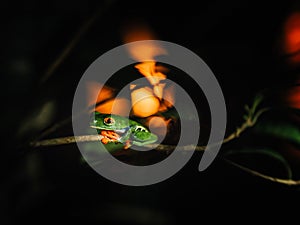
[(96, 138), (248, 123), (89, 138), (289, 182), (250, 120), (52, 129), (73, 42), (66, 140), (62, 123)]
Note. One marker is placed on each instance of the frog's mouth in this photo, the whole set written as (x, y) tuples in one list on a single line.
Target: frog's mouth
[(118, 131), (121, 131)]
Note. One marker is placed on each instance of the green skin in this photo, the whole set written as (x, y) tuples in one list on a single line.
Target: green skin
[(129, 130)]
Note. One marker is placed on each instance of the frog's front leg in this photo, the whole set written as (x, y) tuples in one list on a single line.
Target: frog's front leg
[(125, 139)]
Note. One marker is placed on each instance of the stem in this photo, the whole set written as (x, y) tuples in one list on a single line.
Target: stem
[(250, 120), (289, 182), (66, 140), (89, 138), (64, 122), (73, 42)]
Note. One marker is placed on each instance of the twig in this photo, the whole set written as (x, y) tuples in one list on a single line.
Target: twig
[(89, 138), (250, 120), (70, 46), (96, 138), (66, 140), (289, 182), (64, 122), (52, 129)]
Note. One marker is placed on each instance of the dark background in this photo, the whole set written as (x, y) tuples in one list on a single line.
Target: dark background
[(238, 40)]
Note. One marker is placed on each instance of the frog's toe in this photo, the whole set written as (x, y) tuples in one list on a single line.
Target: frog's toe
[(105, 140), (127, 144)]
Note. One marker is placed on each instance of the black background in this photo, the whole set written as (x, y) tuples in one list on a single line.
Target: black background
[(238, 40)]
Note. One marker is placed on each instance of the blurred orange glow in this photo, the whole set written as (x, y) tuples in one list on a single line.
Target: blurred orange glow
[(142, 52), (293, 97), (158, 125), (113, 105), (169, 98), (147, 101), (93, 95), (292, 37), (291, 153), (119, 106), (144, 103), (149, 71)]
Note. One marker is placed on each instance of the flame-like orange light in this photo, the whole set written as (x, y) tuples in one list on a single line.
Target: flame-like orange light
[(110, 105), (169, 98), (149, 71), (142, 51), (293, 97), (291, 44), (154, 77), (146, 102), (158, 125)]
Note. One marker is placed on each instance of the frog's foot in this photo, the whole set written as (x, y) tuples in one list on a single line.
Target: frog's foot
[(108, 136), (105, 140), (127, 144)]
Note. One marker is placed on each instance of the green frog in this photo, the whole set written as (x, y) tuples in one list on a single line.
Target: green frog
[(119, 129)]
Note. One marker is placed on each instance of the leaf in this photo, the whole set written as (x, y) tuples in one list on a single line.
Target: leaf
[(267, 152), (281, 130)]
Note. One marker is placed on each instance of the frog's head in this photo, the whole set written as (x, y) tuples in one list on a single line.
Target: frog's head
[(109, 122), (144, 137)]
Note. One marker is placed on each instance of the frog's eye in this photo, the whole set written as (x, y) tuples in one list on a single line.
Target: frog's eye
[(109, 121)]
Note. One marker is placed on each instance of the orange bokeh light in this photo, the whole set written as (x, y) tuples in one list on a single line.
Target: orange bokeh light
[(144, 103), (141, 51), (291, 45), (158, 125), (292, 98), (110, 104), (147, 101)]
